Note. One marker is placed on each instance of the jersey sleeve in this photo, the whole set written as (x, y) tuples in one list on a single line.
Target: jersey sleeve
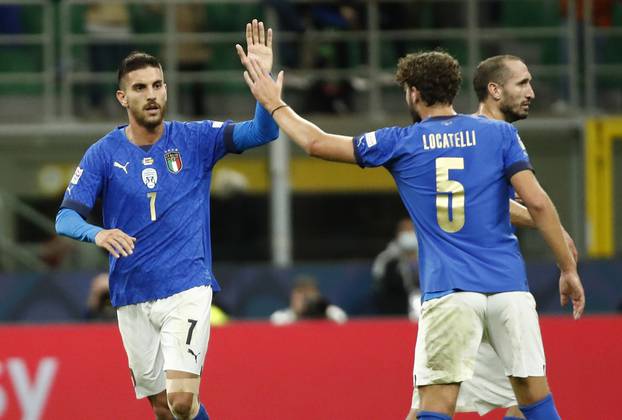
[(215, 140), (87, 182), (515, 157), (376, 148)]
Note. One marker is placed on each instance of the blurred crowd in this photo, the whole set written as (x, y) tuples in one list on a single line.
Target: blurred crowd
[(326, 85)]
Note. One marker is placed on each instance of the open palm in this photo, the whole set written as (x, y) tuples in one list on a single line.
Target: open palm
[(259, 44)]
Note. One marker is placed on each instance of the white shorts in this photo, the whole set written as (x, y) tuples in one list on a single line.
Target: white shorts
[(488, 389), (165, 334), (478, 340)]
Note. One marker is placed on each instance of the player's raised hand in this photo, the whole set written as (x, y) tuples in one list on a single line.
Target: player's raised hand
[(570, 288), (263, 88), (258, 45), (116, 242)]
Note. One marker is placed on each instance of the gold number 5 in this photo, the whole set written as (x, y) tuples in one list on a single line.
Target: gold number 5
[(152, 198), (444, 187)]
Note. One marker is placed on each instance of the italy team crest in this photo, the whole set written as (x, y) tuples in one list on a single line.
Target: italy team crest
[(173, 161)]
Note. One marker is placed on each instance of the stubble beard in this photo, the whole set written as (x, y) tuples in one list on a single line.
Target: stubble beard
[(512, 114), (150, 124)]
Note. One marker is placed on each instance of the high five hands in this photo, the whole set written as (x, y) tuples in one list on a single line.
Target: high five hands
[(258, 44), (258, 64)]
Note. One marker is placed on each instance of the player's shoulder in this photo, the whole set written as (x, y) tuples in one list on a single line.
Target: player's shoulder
[(397, 132), (107, 143), (191, 132), (492, 123), (199, 125)]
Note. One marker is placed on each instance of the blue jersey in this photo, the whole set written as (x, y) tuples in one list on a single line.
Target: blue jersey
[(452, 174), (161, 197)]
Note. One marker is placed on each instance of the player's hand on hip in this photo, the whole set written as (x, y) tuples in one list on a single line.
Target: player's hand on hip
[(570, 288), (258, 45), (116, 242)]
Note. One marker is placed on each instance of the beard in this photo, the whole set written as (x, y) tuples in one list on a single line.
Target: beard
[(148, 122), (512, 113)]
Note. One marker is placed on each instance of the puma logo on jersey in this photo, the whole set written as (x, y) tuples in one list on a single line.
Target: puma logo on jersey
[(124, 167), (195, 355)]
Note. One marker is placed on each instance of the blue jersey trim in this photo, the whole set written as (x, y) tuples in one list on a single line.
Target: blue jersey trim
[(76, 206), (517, 167), (357, 155), (437, 295), (228, 139)]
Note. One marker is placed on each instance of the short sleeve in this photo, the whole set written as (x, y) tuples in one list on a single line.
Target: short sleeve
[(86, 183), (376, 148), (515, 157), (215, 140)]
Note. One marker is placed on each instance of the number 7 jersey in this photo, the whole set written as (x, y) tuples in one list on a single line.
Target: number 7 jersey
[(453, 174), (160, 195)]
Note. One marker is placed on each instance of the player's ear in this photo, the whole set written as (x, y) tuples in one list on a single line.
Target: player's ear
[(122, 98), (415, 96), (494, 90)]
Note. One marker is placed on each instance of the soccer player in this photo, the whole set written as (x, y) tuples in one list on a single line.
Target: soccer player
[(503, 87), (453, 174), (153, 177)]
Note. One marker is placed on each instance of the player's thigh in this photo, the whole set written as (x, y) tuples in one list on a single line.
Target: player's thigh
[(514, 332), (450, 332), (185, 329), (141, 340), (486, 390)]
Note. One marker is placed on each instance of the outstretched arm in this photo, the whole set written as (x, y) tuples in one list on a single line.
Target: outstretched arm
[(546, 219), (307, 135), (519, 216), (261, 129)]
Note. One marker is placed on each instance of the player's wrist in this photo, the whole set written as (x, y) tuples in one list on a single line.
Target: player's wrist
[(99, 237), (278, 106), (568, 269)]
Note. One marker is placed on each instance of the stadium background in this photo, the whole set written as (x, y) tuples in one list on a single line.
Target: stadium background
[(277, 214)]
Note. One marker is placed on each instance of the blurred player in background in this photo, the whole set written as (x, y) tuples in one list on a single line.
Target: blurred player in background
[(154, 180), (396, 274), (306, 301), (503, 87), (453, 172)]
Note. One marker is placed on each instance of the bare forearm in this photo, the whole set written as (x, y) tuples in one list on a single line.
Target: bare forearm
[(547, 221), (313, 140), (519, 215), (299, 130)]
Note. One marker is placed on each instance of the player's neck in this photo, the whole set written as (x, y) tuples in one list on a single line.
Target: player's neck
[(142, 136), (443, 110), (490, 111)]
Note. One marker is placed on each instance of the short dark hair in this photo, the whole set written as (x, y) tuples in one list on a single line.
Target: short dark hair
[(493, 69), (435, 74), (136, 60)]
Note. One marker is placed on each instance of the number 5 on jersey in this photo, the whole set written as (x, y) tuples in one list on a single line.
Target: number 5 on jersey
[(453, 222), (152, 198)]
